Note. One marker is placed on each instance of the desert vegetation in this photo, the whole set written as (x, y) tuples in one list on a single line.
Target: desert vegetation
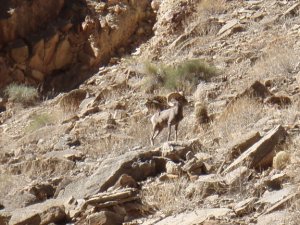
[(21, 93), (39, 120), (181, 76)]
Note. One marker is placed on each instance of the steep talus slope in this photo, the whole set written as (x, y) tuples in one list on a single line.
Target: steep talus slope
[(84, 157)]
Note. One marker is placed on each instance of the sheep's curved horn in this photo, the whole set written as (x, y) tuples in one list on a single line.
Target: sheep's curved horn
[(174, 95), (157, 102)]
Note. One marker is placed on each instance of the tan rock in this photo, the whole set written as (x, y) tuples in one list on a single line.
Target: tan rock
[(245, 207), (272, 197), (50, 47), (243, 143), (37, 60), (280, 100), (110, 170), (262, 152), (193, 166), (125, 181), (32, 219), (42, 191), (275, 181), (50, 211), (63, 55), (236, 177), (173, 168), (26, 18), (104, 218), (178, 150), (38, 75), (194, 217), (210, 184), (230, 27), (257, 89), (278, 217)]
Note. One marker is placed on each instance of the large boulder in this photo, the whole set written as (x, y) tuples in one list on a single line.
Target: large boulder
[(51, 211), (137, 164)]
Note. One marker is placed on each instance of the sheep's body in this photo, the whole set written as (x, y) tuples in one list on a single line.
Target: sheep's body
[(167, 118)]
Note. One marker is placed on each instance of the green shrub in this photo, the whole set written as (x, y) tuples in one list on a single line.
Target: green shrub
[(184, 76), (38, 121), (21, 93)]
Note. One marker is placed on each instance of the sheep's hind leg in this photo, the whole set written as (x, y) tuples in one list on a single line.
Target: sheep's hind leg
[(176, 129)]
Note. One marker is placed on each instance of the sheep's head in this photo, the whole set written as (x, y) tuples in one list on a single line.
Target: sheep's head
[(176, 96)]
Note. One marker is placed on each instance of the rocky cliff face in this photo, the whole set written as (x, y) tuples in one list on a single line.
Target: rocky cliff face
[(40, 39), (20, 18)]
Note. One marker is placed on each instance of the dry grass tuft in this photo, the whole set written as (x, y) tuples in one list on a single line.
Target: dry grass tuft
[(171, 197), (38, 121), (202, 22), (238, 118), (201, 113), (71, 101), (280, 61), (212, 7), (21, 93)]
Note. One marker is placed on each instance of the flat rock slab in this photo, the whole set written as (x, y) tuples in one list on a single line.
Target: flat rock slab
[(177, 151), (50, 211), (243, 143), (274, 218), (262, 152), (276, 196), (229, 25), (195, 217), (137, 164), (236, 176), (245, 206), (70, 154)]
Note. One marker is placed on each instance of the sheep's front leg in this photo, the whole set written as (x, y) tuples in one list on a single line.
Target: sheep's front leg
[(154, 135), (176, 129)]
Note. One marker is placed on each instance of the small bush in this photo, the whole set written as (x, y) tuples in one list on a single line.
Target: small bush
[(39, 121), (212, 7), (71, 101), (184, 76), (21, 93), (201, 113)]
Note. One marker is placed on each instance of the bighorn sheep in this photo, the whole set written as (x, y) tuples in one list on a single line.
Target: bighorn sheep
[(168, 117)]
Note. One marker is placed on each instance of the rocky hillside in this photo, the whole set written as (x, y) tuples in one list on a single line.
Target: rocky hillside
[(84, 156), (50, 42)]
